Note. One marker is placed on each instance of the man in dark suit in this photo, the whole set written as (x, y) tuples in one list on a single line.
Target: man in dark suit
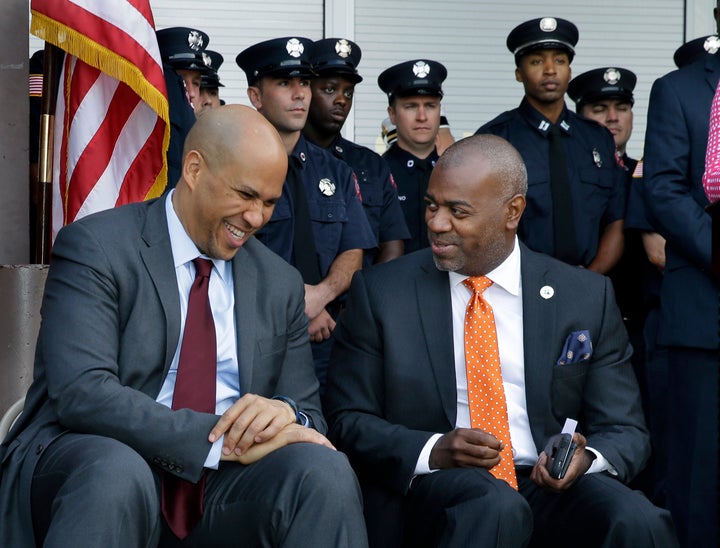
[(98, 436), (399, 402), (675, 145)]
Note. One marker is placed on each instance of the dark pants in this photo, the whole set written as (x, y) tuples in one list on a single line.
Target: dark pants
[(692, 475), (95, 491)]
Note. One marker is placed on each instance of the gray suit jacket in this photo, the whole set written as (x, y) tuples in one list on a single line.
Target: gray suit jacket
[(110, 327), (391, 381)]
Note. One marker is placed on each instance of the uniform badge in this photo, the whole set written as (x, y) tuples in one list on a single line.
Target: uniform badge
[(339, 149), (327, 187), (548, 24), (712, 44), (195, 40), (546, 292), (421, 69), (612, 76), (207, 60), (294, 47), (302, 156), (343, 48), (410, 163), (596, 158)]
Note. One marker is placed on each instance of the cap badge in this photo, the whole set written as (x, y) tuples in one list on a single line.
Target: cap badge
[(195, 40), (421, 69), (294, 47), (712, 44), (612, 76), (327, 187), (343, 48), (596, 158), (548, 24), (207, 60), (546, 292)]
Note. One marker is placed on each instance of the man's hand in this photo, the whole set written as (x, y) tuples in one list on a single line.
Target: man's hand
[(251, 420), (292, 433), (654, 245), (321, 327), (466, 448), (316, 298), (580, 463)]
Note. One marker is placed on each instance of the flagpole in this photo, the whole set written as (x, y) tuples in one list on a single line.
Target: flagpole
[(43, 240)]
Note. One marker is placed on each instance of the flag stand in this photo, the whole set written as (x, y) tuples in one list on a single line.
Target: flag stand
[(41, 253)]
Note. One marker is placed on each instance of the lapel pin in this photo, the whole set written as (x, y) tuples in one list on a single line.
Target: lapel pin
[(546, 292)]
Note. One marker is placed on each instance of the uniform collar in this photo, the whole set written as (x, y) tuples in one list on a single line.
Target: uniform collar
[(540, 122), (409, 160)]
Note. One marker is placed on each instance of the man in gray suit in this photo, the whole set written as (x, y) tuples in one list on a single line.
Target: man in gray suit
[(98, 437), (399, 405)]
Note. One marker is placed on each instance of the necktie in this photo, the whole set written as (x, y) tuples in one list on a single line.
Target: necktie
[(304, 251), (486, 395), (182, 501), (711, 176), (562, 208)]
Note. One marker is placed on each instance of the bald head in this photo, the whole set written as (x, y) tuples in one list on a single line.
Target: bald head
[(234, 167), (495, 155)]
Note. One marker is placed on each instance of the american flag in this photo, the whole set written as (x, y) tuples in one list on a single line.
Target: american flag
[(111, 121)]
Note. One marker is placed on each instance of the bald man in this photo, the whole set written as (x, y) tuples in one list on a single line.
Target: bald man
[(402, 405), (100, 440)]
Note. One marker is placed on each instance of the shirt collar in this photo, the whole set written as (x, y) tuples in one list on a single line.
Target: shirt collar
[(540, 122), (183, 248), (505, 275)]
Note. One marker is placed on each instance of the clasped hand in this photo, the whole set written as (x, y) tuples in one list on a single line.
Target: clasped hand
[(255, 426)]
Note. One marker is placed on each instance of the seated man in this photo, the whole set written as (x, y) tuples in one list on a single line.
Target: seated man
[(460, 452), (174, 394)]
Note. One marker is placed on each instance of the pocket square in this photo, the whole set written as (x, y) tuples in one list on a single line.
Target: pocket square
[(577, 348)]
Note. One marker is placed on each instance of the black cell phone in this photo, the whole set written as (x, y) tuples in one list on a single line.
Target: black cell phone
[(559, 450)]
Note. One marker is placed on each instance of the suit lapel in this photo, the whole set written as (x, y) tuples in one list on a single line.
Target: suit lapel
[(160, 265), (433, 297), (539, 336), (245, 288)]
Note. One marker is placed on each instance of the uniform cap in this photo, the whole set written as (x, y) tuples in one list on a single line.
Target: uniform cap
[(416, 77), (333, 56), (602, 83), (289, 56), (182, 47), (210, 77), (543, 33), (693, 50)]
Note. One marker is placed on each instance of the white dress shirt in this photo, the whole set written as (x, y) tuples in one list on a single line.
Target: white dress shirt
[(222, 303)]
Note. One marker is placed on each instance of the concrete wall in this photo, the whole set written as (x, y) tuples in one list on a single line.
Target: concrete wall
[(14, 133)]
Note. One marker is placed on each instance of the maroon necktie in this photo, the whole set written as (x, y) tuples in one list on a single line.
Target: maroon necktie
[(182, 501)]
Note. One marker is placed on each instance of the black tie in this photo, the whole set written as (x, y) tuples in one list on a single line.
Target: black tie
[(304, 251), (562, 209)]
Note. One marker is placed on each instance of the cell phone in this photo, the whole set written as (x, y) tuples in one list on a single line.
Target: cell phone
[(560, 449)]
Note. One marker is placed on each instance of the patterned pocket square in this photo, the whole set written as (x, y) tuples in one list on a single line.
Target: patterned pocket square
[(577, 348)]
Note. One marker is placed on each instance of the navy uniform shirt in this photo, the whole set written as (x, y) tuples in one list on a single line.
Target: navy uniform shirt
[(411, 176), (337, 218), (182, 118), (378, 191), (596, 180)]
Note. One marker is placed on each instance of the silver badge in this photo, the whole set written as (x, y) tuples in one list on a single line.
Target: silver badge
[(327, 187), (712, 44), (207, 60), (421, 69), (343, 48), (410, 163), (546, 292), (548, 24), (302, 156), (195, 40), (294, 47), (596, 158), (612, 76), (339, 149)]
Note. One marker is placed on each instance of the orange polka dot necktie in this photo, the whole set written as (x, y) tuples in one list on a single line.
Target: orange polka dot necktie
[(486, 395)]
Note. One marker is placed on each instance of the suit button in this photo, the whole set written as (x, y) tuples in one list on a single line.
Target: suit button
[(39, 448)]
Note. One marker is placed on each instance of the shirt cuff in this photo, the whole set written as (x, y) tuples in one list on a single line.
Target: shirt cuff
[(213, 459), (600, 464), (423, 463)]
